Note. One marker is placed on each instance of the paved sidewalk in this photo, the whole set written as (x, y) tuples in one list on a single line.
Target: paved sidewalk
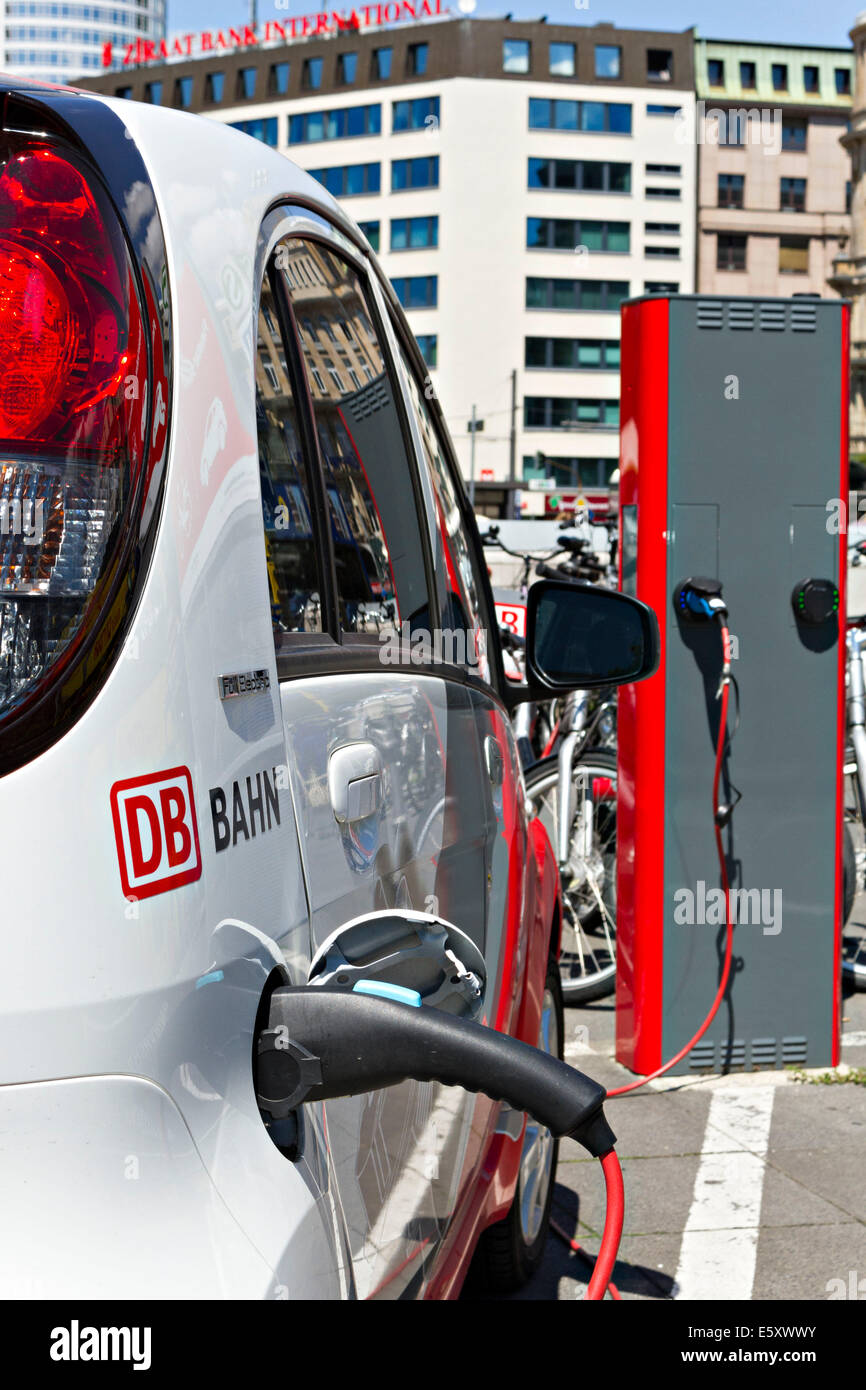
[(746, 1186)]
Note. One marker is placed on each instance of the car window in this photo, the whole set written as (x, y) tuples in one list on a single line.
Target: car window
[(461, 596), (378, 550), (294, 566)]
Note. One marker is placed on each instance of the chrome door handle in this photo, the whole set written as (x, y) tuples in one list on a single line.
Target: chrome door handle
[(355, 782)]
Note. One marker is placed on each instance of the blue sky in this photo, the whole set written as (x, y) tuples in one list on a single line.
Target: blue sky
[(793, 21)]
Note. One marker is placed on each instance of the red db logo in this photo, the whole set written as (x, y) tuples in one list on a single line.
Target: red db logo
[(156, 832)]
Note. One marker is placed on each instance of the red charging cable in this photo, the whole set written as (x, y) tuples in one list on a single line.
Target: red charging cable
[(614, 1214), (612, 1234)]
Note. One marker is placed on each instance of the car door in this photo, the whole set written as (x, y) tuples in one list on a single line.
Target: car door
[(465, 602), (386, 773)]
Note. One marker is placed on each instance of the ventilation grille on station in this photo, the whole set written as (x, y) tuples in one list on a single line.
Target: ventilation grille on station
[(771, 316), (710, 313), (763, 1054), (742, 316), (803, 318)]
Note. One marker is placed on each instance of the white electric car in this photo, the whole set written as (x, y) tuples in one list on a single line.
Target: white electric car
[(253, 731)]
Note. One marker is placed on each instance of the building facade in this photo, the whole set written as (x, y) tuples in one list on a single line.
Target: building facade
[(849, 277), (518, 180), (773, 177), (57, 42)]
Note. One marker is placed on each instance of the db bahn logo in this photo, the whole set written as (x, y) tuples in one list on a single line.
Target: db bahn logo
[(156, 832)]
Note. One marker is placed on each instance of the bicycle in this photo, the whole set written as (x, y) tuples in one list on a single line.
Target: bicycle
[(854, 769)]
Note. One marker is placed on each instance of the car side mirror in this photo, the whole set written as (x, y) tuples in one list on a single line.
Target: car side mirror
[(579, 635)]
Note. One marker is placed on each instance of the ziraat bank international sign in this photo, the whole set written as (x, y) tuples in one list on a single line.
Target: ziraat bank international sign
[(326, 22)]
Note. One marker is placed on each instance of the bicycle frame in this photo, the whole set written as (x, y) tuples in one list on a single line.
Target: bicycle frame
[(856, 643)]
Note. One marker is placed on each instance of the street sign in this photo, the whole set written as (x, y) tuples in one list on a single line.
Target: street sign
[(512, 616)]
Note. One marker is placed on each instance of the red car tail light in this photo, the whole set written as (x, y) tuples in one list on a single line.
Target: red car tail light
[(74, 389)]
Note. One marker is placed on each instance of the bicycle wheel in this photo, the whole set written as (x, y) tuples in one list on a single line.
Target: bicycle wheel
[(587, 963), (854, 920)]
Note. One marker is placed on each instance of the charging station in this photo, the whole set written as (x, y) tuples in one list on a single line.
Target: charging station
[(734, 445)]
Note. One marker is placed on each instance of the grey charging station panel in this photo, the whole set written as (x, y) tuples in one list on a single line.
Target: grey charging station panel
[(755, 420)]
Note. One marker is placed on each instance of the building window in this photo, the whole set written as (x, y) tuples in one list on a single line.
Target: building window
[(311, 74), (673, 169), (563, 59), (730, 251), (657, 191), (572, 354), (570, 472), (660, 287), (347, 68), (613, 117), (653, 109), (415, 173), (382, 64), (247, 82), (566, 233), (414, 233), (371, 232), (416, 291), (428, 346), (715, 72), (811, 83), (349, 180), (843, 82), (416, 59), (348, 122), (574, 295), (748, 78), (153, 93), (608, 60), (659, 64), (215, 86), (662, 253), (183, 92), (262, 128), (731, 188), (733, 127), (780, 77), (793, 134), (515, 55), (279, 79), (581, 175), (792, 195), (848, 197), (421, 113), (662, 228), (564, 413), (793, 255), (123, 93)]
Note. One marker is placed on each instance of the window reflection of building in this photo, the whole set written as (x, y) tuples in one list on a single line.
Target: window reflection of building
[(336, 334), (343, 360), (289, 548)]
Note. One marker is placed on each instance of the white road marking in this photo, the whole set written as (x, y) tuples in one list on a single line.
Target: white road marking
[(854, 1039), (720, 1240)]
